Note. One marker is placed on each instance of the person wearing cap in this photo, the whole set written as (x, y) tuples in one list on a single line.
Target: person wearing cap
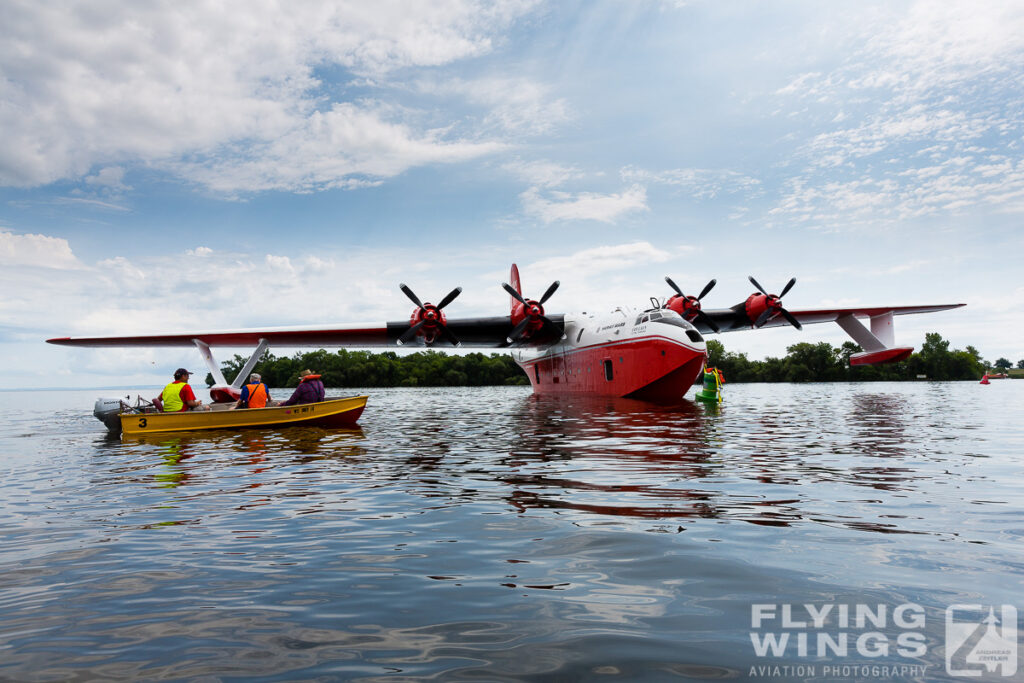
[(178, 395), (254, 394), (310, 389)]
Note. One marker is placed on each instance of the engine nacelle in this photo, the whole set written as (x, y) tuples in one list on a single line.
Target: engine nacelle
[(757, 304), (686, 306), (432, 319), (428, 320), (533, 313)]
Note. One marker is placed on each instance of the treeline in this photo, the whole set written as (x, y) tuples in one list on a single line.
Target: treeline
[(804, 362), (346, 368), (822, 362)]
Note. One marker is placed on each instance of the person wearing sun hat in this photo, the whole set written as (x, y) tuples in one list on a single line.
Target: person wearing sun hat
[(178, 395), (310, 389)]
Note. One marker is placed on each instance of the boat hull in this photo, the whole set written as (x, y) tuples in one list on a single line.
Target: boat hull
[(338, 412)]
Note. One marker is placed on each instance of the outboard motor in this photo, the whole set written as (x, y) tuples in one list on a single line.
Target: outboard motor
[(108, 411)]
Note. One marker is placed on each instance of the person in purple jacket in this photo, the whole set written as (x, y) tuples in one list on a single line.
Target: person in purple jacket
[(310, 389)]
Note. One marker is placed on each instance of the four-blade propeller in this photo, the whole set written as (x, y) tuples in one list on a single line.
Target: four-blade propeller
[(534, 311), (431, 321), (773, 304), (693, 303)]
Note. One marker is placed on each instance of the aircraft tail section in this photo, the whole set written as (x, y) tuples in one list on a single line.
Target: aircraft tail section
[(513, 279)]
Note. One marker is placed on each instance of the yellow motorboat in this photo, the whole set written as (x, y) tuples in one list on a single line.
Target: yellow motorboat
[(335, 412)]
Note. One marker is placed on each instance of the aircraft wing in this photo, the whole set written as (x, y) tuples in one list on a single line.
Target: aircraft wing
[(476, 332), (827, 315), (877, 339), (735, 318)]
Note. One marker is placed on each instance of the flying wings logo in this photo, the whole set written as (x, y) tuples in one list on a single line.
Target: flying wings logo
[(980, 641)]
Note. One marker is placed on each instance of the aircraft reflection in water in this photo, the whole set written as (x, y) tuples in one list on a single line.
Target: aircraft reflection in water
[(623, 458), (599, 458), (631, 458)]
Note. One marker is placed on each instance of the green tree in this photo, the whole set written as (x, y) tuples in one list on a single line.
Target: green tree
[(807, 362), (1003, 364), (347, 368), (716, 353)]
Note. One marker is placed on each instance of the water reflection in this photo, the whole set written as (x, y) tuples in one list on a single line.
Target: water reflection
[(763, 463), (655, 449), (486, 534), (623, 458)]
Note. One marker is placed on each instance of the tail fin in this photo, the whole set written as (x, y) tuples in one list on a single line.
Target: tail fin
[(513, 279)]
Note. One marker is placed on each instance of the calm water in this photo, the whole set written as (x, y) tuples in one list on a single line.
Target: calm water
[(486, 534)]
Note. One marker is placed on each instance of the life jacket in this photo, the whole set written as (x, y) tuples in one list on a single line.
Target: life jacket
[(171, 397), (257, 395)]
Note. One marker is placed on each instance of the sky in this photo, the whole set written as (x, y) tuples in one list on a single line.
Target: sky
[(184, 166)]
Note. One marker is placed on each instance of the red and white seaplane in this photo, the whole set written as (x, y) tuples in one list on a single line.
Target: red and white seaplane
[(648, 354)]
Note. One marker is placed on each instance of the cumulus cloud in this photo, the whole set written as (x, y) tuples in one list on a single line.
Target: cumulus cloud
[(231, 96), (603, 259), (345, 147), (602, 277), (36, 251), (555, 206)]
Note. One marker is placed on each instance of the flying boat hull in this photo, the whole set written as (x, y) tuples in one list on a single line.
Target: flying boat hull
[(624, 355)]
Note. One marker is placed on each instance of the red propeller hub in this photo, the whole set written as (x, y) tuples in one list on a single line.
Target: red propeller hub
[(429, 315), (532, 311), (428, 320)]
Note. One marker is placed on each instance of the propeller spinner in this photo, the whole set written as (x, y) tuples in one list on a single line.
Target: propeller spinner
[(773, 305), (689, 306), (533, 311), (428, 319)]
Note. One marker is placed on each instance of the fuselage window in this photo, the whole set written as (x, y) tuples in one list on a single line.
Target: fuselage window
[(608, 370), (579, 335), (694, 336)]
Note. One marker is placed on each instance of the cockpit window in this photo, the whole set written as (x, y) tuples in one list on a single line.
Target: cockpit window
[(673, 320)]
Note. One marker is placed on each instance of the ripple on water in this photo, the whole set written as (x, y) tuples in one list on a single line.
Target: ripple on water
[(485, 533)]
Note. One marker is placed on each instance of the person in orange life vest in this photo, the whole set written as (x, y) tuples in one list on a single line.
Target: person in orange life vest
[(310, 389), (178, 395), (255, 394)]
